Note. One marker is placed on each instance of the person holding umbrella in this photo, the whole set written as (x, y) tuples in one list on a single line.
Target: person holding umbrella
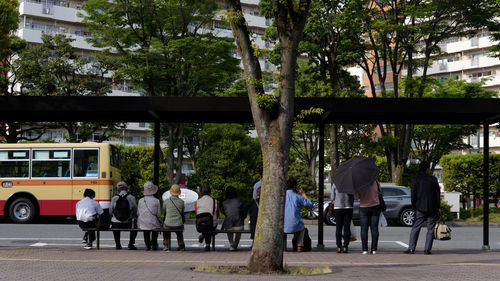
[(358, 176)]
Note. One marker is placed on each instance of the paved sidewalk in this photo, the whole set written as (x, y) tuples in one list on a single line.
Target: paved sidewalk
[(75, 263)]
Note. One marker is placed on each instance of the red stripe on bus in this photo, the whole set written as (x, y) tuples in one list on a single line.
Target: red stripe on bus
[(54, 207)]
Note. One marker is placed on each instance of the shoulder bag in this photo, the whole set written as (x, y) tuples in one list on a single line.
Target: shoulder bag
[(182, 214), (381, 201)]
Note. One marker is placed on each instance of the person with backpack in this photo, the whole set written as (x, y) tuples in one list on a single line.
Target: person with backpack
[(173, 208), (207, 212), (149, 211), (295, 200), (123, 213)]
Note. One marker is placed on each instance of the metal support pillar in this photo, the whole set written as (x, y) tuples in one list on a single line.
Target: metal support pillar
[(486, 193), (156, 155), (321, 185)]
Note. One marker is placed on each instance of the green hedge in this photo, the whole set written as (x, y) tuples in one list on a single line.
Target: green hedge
[(137, 168), (476, 212), (464, 173)]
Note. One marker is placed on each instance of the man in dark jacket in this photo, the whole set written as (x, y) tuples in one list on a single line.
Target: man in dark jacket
[(425, 199)]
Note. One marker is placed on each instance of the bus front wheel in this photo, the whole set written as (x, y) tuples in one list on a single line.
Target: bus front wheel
[(22, 210)]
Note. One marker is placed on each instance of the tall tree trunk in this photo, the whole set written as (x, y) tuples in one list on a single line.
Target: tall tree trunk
[(170, 152), (334, 149), (274, 126), (180, 153)]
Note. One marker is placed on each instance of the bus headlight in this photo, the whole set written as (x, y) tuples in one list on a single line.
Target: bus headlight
[(6, 184)]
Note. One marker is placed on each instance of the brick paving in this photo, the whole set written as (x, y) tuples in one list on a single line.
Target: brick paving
[(75, 263)]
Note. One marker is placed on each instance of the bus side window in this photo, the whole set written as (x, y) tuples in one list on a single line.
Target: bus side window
[(86, 163), (14, 163), (51, 163)]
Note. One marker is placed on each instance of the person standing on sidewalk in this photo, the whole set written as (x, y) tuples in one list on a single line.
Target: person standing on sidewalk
[(87, 212), (369, 212), (295, 200), (123, 213), (173, 208), (426, 201), (343, 209), (149, 215)]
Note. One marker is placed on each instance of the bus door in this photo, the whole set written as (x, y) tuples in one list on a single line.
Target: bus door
[(85, 171)]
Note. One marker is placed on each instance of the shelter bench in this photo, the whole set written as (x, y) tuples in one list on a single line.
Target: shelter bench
[(98, 235)]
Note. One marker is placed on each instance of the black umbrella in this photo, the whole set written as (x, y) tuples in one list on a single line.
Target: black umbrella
[(355, 175)]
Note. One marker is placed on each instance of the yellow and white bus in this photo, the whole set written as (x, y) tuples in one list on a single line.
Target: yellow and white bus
[(48, 179)]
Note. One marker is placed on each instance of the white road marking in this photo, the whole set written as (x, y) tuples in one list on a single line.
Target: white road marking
[(402, 244), (39, 244)]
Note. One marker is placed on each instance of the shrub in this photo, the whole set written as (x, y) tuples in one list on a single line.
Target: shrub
[(446, 214)]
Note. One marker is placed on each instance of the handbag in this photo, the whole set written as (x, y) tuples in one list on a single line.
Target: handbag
[(442, 231), (381, 201), (330, 210)]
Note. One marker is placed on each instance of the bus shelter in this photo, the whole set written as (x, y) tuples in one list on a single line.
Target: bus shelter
[(237, 110)]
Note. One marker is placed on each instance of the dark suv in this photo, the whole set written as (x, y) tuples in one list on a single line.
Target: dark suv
[(397, 199)]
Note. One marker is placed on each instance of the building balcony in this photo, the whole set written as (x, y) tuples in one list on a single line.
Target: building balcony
[(53, 10), (35, 36)]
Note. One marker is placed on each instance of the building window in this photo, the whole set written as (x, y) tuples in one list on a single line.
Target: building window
[(142, 125)]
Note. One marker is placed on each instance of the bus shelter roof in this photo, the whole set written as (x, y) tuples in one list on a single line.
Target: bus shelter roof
[(237, 110)]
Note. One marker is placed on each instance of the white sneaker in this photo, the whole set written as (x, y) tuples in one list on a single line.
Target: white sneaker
[(365, 253), (88, 247), (374, 252)]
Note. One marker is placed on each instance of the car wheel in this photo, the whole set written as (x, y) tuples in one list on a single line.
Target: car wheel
[(22, 210), (329, 220), (407, 217)]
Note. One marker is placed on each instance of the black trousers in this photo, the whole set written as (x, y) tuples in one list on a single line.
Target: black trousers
[(343, 219), (88, 224), (430, 218), (116, 234), (151, 239)]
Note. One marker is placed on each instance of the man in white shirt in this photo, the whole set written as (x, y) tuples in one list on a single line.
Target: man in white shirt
[(87, 211)]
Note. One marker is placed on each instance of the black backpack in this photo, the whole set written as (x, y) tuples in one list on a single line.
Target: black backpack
[(122, 210)]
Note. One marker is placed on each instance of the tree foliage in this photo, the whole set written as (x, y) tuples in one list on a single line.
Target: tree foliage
[(227, 157), (402, 37), (137, 168), (464, 173), (164, 48), (431, 142)]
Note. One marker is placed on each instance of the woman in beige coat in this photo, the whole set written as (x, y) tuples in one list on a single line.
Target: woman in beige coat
[(149, 212)]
